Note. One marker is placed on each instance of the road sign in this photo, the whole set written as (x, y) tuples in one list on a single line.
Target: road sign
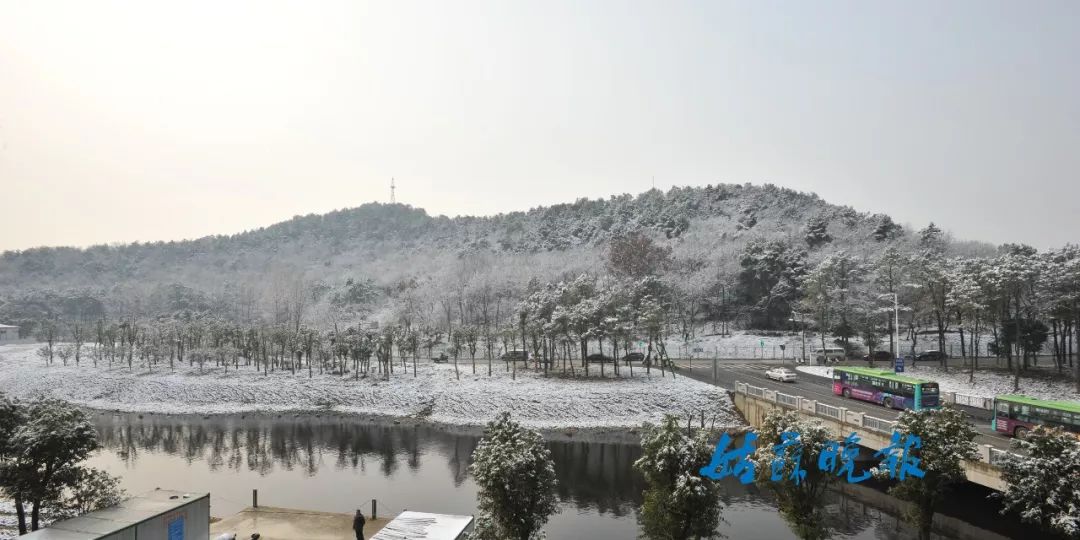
[(782, 346), (899, 364)]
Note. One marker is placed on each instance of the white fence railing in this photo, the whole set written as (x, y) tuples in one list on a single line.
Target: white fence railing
[(827, 410), (997, 457), (988, 454), (877, 424), (974, 401)]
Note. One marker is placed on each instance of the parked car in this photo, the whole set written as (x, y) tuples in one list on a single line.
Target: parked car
[(515, 356), (830, 354), (879, 356), (927, 356), (634, 357), (442, 358), (597, 357), (781, 374)]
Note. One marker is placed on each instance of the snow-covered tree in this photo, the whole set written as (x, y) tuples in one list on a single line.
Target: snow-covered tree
[(800, 501), (91, 489), (44, 450), (965, 298), (515, 480), (679, 503), (947, 439), (816, 231), (1043, 485), (636, 255)]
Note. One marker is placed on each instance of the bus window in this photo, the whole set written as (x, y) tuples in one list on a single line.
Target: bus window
[(1003, 408), (929, 388), (1025, 414), (909, 390)]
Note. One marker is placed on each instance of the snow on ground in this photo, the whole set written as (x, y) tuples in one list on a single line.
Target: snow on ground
[(747, 344), (533, 400), (987, 383), (9, 521)]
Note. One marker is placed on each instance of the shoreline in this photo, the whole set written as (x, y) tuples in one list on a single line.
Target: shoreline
[(593, 434), (610, 408)]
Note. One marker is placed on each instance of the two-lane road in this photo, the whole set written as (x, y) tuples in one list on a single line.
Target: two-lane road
[(818, 388)]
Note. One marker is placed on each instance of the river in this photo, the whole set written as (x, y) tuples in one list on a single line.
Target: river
[(338, 464)]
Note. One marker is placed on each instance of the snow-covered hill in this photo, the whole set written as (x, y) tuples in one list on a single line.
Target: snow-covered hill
[(396, 246)]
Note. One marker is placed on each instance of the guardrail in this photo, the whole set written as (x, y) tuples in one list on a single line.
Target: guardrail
[(827, 410), (789, 400), (988, 454), (977, 402), (877, 424), (997, 457)]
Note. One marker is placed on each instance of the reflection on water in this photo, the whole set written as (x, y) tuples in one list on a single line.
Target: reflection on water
[(339, 464)]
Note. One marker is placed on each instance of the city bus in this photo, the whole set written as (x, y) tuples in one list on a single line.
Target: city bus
[(1016, 415), (886, 388)]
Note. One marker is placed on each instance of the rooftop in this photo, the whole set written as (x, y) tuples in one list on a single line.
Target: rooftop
[(116, 518), (423, 525)]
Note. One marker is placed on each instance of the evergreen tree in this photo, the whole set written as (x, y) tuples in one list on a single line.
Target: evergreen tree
[(947, 439), (679, 502), (1042, 485), (800, 502), (515, 480)]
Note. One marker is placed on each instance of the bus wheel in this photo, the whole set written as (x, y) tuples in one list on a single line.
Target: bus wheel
[(888, 402), (847, 393), (1021, 432)]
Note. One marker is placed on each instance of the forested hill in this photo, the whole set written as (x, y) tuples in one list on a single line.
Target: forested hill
[(388, 244)]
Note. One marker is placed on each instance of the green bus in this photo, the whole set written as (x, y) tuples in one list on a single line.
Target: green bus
[(886, 388), (1017, 415)]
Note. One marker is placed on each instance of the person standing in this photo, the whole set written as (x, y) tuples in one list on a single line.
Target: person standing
[(358, 525)]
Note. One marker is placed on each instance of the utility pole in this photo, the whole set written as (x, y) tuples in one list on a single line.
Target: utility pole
[(392, 187), (896, 327)]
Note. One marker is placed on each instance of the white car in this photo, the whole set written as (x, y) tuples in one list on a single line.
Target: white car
[(781, 374)]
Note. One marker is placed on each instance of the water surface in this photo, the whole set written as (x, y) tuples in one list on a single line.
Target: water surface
[(338, 464)]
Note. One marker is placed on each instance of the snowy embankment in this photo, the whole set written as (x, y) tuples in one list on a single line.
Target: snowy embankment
[(987, 383), (436, 395), (9, 521)]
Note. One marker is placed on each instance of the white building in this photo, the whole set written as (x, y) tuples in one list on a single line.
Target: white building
[(8, 333)]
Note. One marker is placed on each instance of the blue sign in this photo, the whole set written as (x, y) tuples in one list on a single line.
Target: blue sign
[(176, 528), (899, 364)]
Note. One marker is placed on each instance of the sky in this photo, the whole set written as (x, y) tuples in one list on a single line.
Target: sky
[(144, 120)]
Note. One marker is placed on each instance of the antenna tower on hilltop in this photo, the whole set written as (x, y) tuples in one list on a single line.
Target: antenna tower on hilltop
[(392, 187)]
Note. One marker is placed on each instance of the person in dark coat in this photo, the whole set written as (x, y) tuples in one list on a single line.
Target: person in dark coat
[(358, 525)]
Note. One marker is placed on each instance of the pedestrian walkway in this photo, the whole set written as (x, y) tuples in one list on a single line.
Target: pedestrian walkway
[(290, 524)]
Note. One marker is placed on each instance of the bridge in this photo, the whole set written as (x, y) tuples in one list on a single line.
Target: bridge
[(755, 402)]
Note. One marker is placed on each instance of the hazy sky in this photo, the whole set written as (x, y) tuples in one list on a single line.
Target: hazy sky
[(165, 120)]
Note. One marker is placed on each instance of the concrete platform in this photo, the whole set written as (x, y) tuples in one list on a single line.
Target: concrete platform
[(290, 524)]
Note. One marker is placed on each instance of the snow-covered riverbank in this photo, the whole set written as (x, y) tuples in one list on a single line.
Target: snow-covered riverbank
[(987, 383), (435, 394)]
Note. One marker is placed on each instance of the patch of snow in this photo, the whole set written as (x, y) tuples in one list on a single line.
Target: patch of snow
[(532, 399), (987, 383)]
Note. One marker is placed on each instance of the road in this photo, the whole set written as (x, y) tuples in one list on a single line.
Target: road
[(818, 388)]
